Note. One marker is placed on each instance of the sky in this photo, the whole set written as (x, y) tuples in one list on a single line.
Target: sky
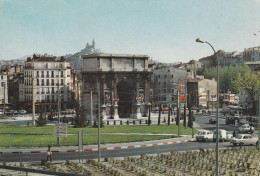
[(165, 30)]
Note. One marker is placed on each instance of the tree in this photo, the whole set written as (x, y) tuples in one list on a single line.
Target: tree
[(41, 119), (227, 75), (250, 82), (81, 116)]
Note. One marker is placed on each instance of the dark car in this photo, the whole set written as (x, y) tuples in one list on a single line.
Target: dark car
[(230, 120)]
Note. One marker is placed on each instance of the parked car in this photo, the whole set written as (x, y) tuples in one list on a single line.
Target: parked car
[(246, 128), (165, 109), (22, 112), (244, 139), (212, 120), (242, 121), (204, 135), (223, 135), (254, 122), (230, 120)]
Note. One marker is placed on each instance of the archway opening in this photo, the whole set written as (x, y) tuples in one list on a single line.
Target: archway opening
[(125, 94)]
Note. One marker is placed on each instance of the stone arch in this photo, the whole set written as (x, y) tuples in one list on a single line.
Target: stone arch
[(125, 94)]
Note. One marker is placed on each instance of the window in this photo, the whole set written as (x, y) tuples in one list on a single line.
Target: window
[(159, 91), (42, 82), (164, 90), (165, 76), (2, 77), (38, 82), (52, 82), (52, 90), (52, 74), (47, 74), (48, 82), (61, 73), (42, 74), (62, 82), (159, 76)]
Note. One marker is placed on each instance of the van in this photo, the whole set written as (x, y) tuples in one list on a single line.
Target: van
[(222, 135)]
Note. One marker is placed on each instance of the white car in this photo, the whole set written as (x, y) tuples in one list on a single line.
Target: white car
[(246, 128), (204, 135), (244, 139), (223, 135)]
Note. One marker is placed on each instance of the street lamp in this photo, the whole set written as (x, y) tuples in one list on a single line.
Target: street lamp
[(217, 119)]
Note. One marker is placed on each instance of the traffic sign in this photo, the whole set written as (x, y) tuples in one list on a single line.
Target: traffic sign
[(60, 130)]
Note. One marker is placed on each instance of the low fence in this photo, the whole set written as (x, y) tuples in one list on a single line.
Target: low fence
[(137, 121)]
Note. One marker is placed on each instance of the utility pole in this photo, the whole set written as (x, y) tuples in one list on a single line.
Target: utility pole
[(185, 111), (33, 100), (258, 146), (58, 83), (178, 110), (212, 102), (91, 108), (4, 98), (98, 92)]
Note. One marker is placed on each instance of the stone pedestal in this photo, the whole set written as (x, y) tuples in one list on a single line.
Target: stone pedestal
[(138, 114), (115, 115), (108, 111), (104, 112)]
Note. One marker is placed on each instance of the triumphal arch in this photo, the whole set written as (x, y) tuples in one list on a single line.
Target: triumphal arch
[(124, 84)]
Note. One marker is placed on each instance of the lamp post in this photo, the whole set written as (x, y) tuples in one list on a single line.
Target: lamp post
[(58, 98), (4, 98), (217, 119)]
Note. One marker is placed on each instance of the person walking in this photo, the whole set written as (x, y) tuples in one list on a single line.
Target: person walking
[(234, 133), (49, 154)]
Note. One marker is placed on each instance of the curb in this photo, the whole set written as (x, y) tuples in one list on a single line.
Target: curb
[(104, 148)]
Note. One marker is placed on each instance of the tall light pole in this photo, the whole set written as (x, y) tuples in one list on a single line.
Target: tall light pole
[(4, 98), (217, 119), (58, 98), (258, 146), (33, 99)]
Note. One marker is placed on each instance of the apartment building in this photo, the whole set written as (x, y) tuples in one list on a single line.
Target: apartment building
[(46, 77)]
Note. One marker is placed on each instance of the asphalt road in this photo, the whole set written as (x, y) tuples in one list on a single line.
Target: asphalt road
[(23, 157)]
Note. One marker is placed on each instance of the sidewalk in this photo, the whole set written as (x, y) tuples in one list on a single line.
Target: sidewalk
[(116, 146)]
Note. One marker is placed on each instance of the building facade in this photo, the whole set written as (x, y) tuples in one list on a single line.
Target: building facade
[(124, 84), (165, 83), (203, 92), (3, 90), (46, 78)]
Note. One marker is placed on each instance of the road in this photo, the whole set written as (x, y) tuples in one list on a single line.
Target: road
[(23, 157), (201, 123)]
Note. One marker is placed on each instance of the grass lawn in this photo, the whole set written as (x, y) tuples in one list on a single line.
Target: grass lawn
[(29, 136), (72, 140)]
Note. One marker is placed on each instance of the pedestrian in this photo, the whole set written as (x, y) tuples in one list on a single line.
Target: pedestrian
[(251, 130), (49, 154), (234, 133)]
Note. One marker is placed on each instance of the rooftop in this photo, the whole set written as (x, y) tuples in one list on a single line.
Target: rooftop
[(106, 55)]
